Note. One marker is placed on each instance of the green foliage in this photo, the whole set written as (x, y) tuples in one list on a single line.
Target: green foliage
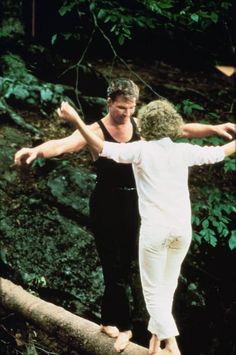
[(13, 67), (39, 162), (34, 94), (213, 216), (187, 107), (11, 28), (194, 294), (229, 164), (32, 279), (232, 241), (20, 85), (122, 21), (123, 18), (53, 39)]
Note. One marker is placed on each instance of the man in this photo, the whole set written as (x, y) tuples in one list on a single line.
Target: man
[(113, 204)]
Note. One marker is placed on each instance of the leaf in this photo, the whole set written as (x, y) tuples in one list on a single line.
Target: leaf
[(226, 5), (3, 256), (92, 6), (166, 4), (46, 94), (197, 237), (65, 8), (195, 17), (53, 39), (101, 14), (213, 114), (67, 36), (229, 164), (214, 17), (209, 236), (121, 40), (113, 28), (205, 223), (19, 91), (198, 107), (196, 220), (107, 19), (232, 240), (39, 162)]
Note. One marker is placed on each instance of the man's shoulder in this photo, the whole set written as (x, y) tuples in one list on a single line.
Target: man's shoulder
[(95, 127)]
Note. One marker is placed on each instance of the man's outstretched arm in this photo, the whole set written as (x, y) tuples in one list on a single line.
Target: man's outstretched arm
[(92, 139), (199, 130), (50, 149)]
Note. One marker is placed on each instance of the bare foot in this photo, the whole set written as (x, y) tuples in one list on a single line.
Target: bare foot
[(154, 345), (123, 340), (166, 351), (171, 347), (109, 330)]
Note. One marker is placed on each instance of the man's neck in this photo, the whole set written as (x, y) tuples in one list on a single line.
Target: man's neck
[(121, 131), (118, 123)]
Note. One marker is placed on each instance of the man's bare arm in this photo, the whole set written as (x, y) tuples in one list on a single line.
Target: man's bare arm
[(50, 148), (73, 143), (93, 140), (199, 130)]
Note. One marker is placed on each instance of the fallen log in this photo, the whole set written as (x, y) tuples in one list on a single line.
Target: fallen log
[(68, 328)]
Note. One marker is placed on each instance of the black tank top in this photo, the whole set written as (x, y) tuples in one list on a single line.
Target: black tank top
[(111, 174)]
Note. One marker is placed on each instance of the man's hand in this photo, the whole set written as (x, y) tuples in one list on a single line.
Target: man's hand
[(25, 156), (225, 130), (67, 112)]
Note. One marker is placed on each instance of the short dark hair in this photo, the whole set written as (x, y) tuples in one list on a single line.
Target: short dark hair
[(122, 87)]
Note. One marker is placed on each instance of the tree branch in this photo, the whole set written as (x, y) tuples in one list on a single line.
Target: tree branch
[(121, 59), (74, 331)]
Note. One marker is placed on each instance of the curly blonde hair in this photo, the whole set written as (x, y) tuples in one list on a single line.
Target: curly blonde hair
[(159, 119)]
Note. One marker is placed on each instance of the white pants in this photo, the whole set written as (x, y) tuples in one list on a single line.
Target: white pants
[(161, 252)]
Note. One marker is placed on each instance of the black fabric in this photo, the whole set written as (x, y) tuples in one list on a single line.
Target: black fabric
[(114, 174), (115, 223)]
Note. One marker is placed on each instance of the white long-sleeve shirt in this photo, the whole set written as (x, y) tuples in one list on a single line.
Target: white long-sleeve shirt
[(161, 174)]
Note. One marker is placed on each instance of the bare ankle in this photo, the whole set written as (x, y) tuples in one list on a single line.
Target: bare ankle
[(122, 340), (172, 346), (154, 345)]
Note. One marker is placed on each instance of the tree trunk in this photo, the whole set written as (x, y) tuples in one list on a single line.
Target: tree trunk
[(68, 328)]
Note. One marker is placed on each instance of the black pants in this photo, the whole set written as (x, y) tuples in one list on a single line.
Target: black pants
[(115, 222)]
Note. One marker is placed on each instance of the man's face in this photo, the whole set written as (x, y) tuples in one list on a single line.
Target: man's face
[(121, 109)]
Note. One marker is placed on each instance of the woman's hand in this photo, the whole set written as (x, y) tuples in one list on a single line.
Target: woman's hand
[(67, 112)]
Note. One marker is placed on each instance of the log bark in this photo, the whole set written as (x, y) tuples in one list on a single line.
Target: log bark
[(68, 328)]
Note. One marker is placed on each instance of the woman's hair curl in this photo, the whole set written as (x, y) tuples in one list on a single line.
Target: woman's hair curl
[(159, 119)]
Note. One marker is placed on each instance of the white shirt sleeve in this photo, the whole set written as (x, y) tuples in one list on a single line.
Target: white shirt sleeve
[(197, 155), (122, 152)]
